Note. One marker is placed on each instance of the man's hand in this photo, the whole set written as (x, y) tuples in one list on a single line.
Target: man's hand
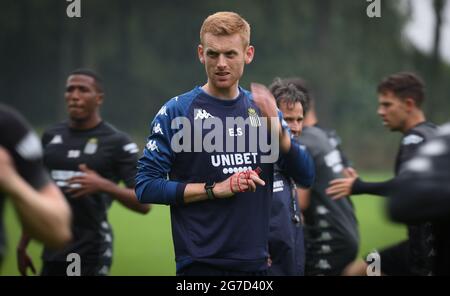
[(264, 100), (24, 262), (350, 172), (341, 187), (268, 107), (239, 182), (89, 183)]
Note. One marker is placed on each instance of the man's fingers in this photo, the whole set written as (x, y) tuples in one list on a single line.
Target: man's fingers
[(79, 179), (32, 266), (352, 172), (336, 181), (84, 168), (72, 190), (80, 193), (333, 190), (251, 185), (257, 179), (77, 192), (338, 196)]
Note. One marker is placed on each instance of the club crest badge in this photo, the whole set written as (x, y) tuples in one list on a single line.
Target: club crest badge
[(91, 146), (254, 118)]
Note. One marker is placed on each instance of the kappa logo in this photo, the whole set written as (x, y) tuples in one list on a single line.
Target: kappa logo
[(108, 253), (157, 129), (202, 114), (412, 139), (334, 161), (325, 236), (322, 210), (104, 270), (254, 118), (323, 264), (30, 147), (73, 153), (131, 148), (323, 224), (162, 111), (151, 145), (108, 238), (444, 129), (57, 139), (434, 148)]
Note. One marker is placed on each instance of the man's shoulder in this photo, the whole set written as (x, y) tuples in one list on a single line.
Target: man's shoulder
[(315, 140), (60, 127), (10, 118), (115, 133), (313, 132), (246, 93), (179, 104), (419, 134)]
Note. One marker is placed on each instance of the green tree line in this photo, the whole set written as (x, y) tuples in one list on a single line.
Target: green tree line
[(146, 52)]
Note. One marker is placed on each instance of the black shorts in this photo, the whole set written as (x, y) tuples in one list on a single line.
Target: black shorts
[(202, 269), (56, 268)]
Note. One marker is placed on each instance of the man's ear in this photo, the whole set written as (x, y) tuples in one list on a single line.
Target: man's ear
[(410, 103), (200, 53), (249, 54), (100, 98)]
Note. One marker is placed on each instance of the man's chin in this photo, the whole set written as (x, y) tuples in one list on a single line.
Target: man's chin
[(76, 117)]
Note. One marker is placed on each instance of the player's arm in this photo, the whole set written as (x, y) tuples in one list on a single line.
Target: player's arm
[(294, 161), (304, 198), (124, 169), (127, 197), (23, 259), (342, 187), (91, 182), (152, 184), (238, 182), (44, 213), (268, 107)]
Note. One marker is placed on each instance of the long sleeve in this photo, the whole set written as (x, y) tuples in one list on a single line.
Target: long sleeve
[(298, 164), (375, 188), (152, 184)]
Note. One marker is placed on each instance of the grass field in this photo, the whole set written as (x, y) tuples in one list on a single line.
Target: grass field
[(143, 244)]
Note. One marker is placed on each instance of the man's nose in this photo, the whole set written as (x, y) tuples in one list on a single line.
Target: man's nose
[(221, 63), (73, 95), (380, 111), (295, 128)]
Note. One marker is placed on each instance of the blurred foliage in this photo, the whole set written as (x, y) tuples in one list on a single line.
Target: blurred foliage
[(146, 52)]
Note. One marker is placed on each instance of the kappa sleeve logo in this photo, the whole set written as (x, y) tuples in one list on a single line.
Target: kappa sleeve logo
[(151, 145), (202, 114), (157, 129), (131, 148), (162, 111), (412, 139), (29, 147)]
